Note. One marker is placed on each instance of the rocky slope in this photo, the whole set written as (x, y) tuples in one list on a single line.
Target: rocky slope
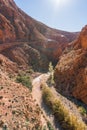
[(71, 71), (18, 27), (7, 66), (17, 107)]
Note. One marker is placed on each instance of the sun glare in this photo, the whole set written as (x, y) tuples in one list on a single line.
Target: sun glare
[(59, 3)]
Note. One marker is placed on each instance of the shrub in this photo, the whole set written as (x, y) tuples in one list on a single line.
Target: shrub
[(51, 71), (30, 71), (82, 110), (50, 80), (67, 120), (25, 80), (50, 127), (59, 110), (44, 128), (50, 67), (47, 95)]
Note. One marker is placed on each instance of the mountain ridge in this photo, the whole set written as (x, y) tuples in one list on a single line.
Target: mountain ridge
[(17, 26)]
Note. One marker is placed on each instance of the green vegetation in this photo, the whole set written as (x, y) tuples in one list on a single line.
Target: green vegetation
[(67, 120), (50, 127), (51, 77), (82, 110), (44, 128), (25, 80), (30, 71), (51, 67)]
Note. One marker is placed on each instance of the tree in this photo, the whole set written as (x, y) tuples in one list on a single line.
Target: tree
[(50, 67), (51, 71)]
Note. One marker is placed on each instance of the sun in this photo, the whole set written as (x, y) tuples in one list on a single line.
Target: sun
[(59, 3)]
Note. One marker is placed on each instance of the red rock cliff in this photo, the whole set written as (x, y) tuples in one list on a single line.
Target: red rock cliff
[(71, 70)]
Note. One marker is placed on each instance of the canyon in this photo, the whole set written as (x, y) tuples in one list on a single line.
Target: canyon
[(27, 46)]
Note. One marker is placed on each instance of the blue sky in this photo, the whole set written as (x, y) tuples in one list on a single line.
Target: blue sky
[(68, 15)]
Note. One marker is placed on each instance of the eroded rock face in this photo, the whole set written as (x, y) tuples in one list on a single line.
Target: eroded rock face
[(26, 56), (7, 65), (83, 37), (71, 70), (7, 32), (81, 41), (17, 26)]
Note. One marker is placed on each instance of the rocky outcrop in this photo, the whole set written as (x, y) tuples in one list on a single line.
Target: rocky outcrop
[(81, 41), (71, 70), (7, 32), (7, 66), (83, 38), (26, 56)]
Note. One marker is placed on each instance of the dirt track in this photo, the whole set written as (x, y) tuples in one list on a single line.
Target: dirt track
[(37, 95)]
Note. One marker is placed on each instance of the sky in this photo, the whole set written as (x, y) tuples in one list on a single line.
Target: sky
[(68, 15)]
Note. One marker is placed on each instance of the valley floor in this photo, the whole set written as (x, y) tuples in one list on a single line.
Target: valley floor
[(47, 114)]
